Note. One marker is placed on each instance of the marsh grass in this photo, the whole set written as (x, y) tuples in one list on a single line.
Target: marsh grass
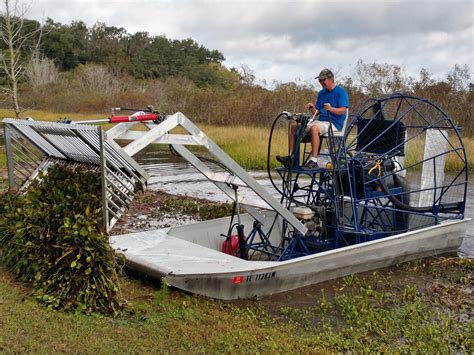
[(248, 146), (40, 115)]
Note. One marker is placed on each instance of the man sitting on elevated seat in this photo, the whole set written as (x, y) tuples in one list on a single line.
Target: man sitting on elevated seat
[(331, 105)]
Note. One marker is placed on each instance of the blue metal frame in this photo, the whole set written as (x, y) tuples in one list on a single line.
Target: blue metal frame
[(358, 210)]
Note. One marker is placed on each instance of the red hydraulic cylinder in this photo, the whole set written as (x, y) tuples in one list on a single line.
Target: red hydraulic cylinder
[(144, 117)]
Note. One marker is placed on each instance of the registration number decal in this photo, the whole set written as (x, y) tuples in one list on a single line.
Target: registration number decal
[(239, 279)]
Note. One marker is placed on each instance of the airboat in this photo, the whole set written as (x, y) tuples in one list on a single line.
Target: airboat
[(384, 196)]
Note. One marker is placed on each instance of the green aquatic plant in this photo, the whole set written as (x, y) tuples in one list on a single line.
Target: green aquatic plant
[(51, 237), (203, 210)]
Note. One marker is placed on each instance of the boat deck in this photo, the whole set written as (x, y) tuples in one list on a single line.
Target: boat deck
[(163, 253)]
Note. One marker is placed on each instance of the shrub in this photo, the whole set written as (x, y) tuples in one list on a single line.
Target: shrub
[(51, 237)]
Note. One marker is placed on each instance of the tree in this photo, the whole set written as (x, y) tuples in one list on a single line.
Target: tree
[(41, 71), (247, 75), (97, 78), (66, 44), (20, 39), (381, 79), (460, 78), (107, 46)]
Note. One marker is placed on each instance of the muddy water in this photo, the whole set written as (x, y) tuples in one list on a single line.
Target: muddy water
[(178, 177)]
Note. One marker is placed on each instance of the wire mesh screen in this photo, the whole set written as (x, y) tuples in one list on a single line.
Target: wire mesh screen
[(409, 154)]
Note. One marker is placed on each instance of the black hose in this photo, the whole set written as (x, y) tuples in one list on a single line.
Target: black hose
[(403, 183), (242, 242), (400, 181), (269, 150)]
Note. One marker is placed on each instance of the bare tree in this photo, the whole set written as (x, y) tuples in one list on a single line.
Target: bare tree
[(98, 78), (381, 79), (20, 44), (41, 71), (247, 75), (460, 78)]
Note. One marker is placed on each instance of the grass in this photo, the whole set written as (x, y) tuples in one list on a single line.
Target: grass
[(157, 321), (248, 146), (39, 115), (379, 312)]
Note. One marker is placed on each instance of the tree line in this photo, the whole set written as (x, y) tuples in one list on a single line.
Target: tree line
[(140, 55)]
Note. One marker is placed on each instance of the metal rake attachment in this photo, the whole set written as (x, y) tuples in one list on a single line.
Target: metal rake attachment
[(32, 147)]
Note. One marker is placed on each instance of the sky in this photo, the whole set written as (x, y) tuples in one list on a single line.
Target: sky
[(283, 40)]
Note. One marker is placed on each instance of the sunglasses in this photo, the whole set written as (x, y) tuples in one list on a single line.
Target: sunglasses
[(322, 80)]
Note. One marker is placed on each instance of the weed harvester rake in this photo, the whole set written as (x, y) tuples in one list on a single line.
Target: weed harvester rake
[(33, 146)]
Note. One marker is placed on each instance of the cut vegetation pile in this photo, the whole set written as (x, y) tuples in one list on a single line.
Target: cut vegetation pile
[(51, 237)]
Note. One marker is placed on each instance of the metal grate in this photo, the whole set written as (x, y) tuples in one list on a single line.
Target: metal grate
[(33, 146)]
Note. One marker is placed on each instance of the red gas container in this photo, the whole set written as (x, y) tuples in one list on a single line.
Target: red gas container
[(231, 246)]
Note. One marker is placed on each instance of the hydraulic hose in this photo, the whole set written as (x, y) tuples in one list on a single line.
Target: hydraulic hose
[(398, 203), (275, 121), (400, 181)]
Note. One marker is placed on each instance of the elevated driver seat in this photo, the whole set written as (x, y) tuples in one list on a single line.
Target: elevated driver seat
[(337, 135)]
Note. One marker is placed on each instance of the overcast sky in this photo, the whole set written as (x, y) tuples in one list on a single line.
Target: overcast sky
[(289, 40)]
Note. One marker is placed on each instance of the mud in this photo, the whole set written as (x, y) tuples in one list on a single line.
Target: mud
[(144, 214)]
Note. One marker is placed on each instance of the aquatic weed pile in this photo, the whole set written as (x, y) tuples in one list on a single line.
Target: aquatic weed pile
[(199, 208), (51, 237)]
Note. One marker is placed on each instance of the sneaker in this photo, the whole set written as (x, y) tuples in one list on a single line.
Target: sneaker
[(310, 165), (285, 160)]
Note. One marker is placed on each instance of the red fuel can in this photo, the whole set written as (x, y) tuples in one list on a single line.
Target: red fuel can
[(231, 246)]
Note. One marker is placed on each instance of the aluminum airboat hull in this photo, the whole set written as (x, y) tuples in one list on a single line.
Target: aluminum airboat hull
[(202, 269)]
